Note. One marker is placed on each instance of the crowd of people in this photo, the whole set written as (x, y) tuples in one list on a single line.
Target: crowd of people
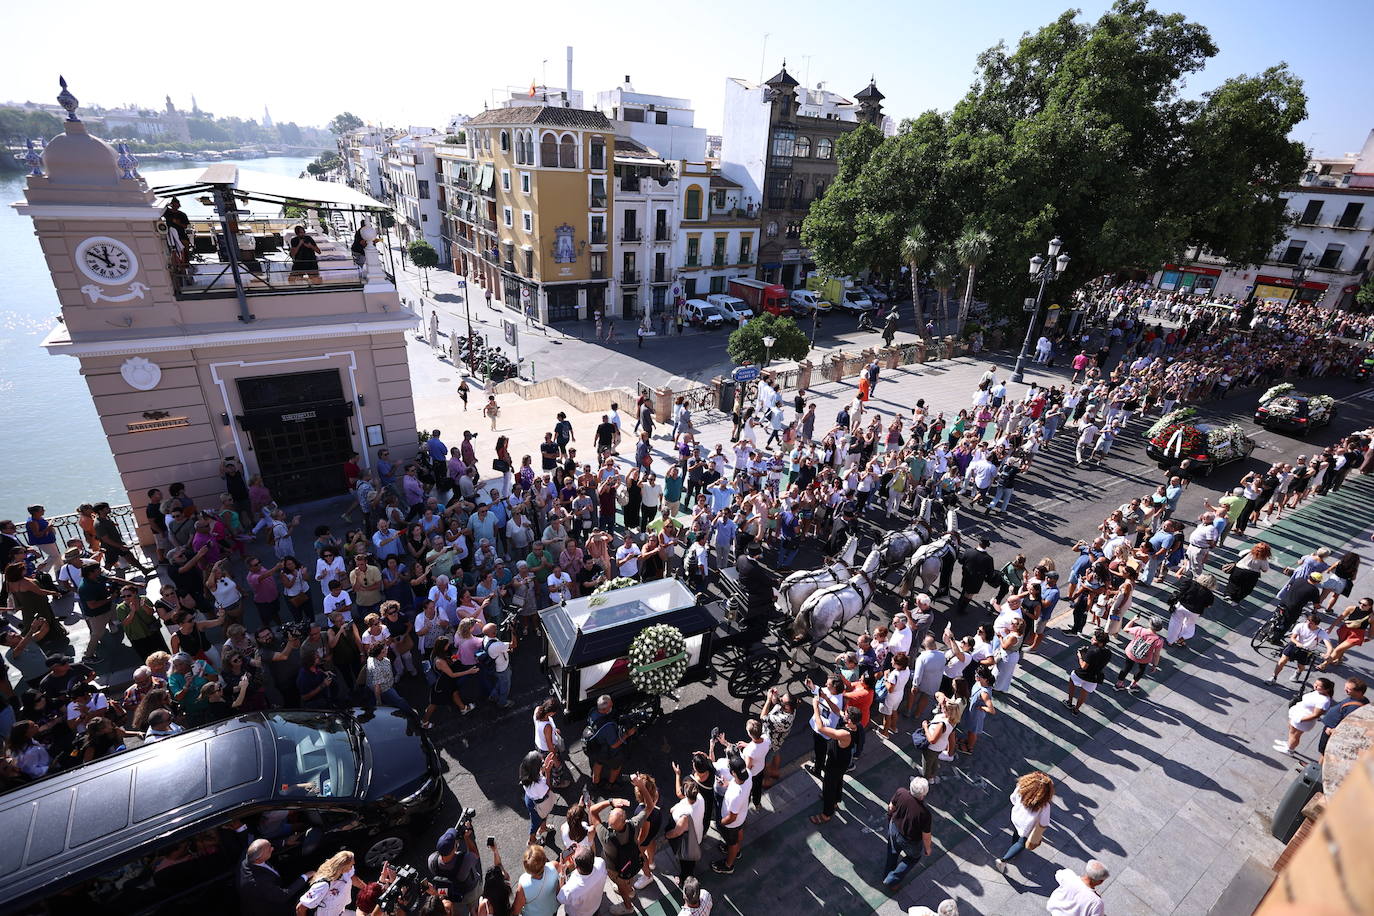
[(439, 568)]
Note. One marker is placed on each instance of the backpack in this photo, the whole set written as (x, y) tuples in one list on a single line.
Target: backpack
[(485, 662), (1139, 649)]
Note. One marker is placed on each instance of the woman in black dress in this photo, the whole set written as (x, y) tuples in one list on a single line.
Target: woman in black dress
[(839, 752), (305, 257), (444, 691)]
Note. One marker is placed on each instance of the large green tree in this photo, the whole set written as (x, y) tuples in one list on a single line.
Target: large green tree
[(1083, 132), (345, 121), (746, 342)]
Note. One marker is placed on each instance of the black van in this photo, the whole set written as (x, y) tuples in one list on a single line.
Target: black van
[(162, 827)]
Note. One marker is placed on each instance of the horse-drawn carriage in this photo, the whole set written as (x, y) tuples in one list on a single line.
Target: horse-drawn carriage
[(591, 642)]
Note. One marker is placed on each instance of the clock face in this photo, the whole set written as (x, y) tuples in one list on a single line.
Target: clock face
[(106, 260)]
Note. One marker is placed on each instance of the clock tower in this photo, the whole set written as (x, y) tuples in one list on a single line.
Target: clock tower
[(205, 340), (98, 224)]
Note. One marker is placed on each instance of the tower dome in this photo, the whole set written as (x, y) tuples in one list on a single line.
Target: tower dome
[(74, 157)]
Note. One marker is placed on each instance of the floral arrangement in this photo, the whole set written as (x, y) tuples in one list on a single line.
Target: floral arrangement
[(1192, 442), (1282, 407), (658, 659), (1172, 419), (1224, 442), (610, 586), (1321, 404), (1276, 391)]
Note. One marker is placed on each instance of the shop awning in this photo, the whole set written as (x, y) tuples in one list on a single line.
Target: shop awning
[(260, 186)]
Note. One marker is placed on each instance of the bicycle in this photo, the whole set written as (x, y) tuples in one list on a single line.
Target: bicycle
[(1269, 638)]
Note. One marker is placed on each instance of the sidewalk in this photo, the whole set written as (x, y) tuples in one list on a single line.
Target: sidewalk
[(1172, 787)]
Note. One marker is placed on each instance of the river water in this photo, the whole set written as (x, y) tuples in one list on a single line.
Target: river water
[(52, 449)]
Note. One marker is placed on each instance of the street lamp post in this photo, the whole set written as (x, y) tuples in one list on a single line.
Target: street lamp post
[(1044, 270), (768, 342), (1301, 271)]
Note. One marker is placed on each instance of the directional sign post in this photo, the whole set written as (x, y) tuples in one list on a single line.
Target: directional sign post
[(746, 373)]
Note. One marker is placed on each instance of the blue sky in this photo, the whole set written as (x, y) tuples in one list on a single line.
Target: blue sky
[(420, 62)]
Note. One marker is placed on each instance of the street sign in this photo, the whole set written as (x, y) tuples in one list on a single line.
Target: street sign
[(746, 373), (512, 333), (1028, 305), (462, 284)]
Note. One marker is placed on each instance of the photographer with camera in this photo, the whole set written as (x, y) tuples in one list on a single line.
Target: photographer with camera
[(458, 869), (603, 740)]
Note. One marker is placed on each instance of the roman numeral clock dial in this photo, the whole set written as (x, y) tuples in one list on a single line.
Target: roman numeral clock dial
[(106, 260)]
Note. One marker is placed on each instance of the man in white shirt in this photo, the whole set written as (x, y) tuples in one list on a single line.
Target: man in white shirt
[(1076, 895), (755, 753), (899, 640), (160, 725), (1087, 439), (627, 558), (560, 586), (733, 779), (499, 653), (585, 885)]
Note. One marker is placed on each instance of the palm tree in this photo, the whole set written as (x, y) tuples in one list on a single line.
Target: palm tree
[(915, 250), (972, 249), (945, 272)]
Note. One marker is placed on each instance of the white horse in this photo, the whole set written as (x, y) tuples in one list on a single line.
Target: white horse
[(833, 606), (927, 561), (800, 585), (896, 546)]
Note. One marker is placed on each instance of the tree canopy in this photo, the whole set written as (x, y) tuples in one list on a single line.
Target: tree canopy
[(746, 341), (1081, 132), (344, 122), (422, 254)]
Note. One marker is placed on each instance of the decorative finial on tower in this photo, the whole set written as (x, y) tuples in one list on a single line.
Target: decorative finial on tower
[(34, 159), (127, 161), (67, 100)]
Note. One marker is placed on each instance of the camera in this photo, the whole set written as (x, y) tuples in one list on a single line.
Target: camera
[(295, 630), (637, 717), (402, 891), (465, 821)]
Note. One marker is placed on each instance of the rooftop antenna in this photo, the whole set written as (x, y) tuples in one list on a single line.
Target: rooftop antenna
[(763, 58), (806, 81)]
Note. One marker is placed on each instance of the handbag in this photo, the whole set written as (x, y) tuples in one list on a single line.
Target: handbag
[(1229, 568), (500, 464), (1036, 836)]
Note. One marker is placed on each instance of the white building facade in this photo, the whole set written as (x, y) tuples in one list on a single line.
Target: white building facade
[(1325, 255), (719, 236), (411, 185)]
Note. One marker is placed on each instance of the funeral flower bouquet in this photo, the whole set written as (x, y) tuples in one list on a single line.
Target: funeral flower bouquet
[(658, 659)]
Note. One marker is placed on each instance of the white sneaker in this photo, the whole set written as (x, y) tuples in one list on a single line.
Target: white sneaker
[(642, 881)]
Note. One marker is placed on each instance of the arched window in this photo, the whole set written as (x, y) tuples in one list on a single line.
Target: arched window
[(823, 148), (693, 203), (505, 141), (548, 151), (772, 230), (567, 152), (802, 150)]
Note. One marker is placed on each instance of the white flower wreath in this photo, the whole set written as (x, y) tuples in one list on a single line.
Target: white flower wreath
[(610, 586), (658, 659)]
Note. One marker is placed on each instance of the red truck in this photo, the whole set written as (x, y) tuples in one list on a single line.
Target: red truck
[(762, 297)]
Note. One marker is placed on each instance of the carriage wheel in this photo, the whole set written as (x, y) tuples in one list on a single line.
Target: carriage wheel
[(754, 672)]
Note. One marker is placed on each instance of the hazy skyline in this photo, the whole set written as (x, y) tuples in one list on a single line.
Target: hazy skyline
[(310, 62)]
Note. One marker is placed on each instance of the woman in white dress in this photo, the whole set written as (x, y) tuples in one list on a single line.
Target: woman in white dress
[(895, 680), (331, 888), (1008, 655), (1306, 713)]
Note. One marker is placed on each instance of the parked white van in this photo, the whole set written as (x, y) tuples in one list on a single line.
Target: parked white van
[(734, 307)]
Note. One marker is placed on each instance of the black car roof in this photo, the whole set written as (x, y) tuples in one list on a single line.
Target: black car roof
[(92, 814)]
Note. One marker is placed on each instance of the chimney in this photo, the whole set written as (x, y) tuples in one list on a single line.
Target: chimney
[(570, 68)]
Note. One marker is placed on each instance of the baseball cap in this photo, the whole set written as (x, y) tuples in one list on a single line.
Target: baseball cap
[(1314, 577), (447, 843)]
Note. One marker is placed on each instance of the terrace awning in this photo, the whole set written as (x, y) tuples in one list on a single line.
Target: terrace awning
[(261, 186)]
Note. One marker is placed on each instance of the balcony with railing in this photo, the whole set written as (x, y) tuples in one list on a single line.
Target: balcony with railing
[(597, 238), (487, 224), (630, 184), (718, 261), (662, 236), (631, 235), (662, 276), (264, 263), (629, 275)]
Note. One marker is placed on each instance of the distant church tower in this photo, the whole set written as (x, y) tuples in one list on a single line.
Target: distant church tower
[(266, 117), (195, 109)]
